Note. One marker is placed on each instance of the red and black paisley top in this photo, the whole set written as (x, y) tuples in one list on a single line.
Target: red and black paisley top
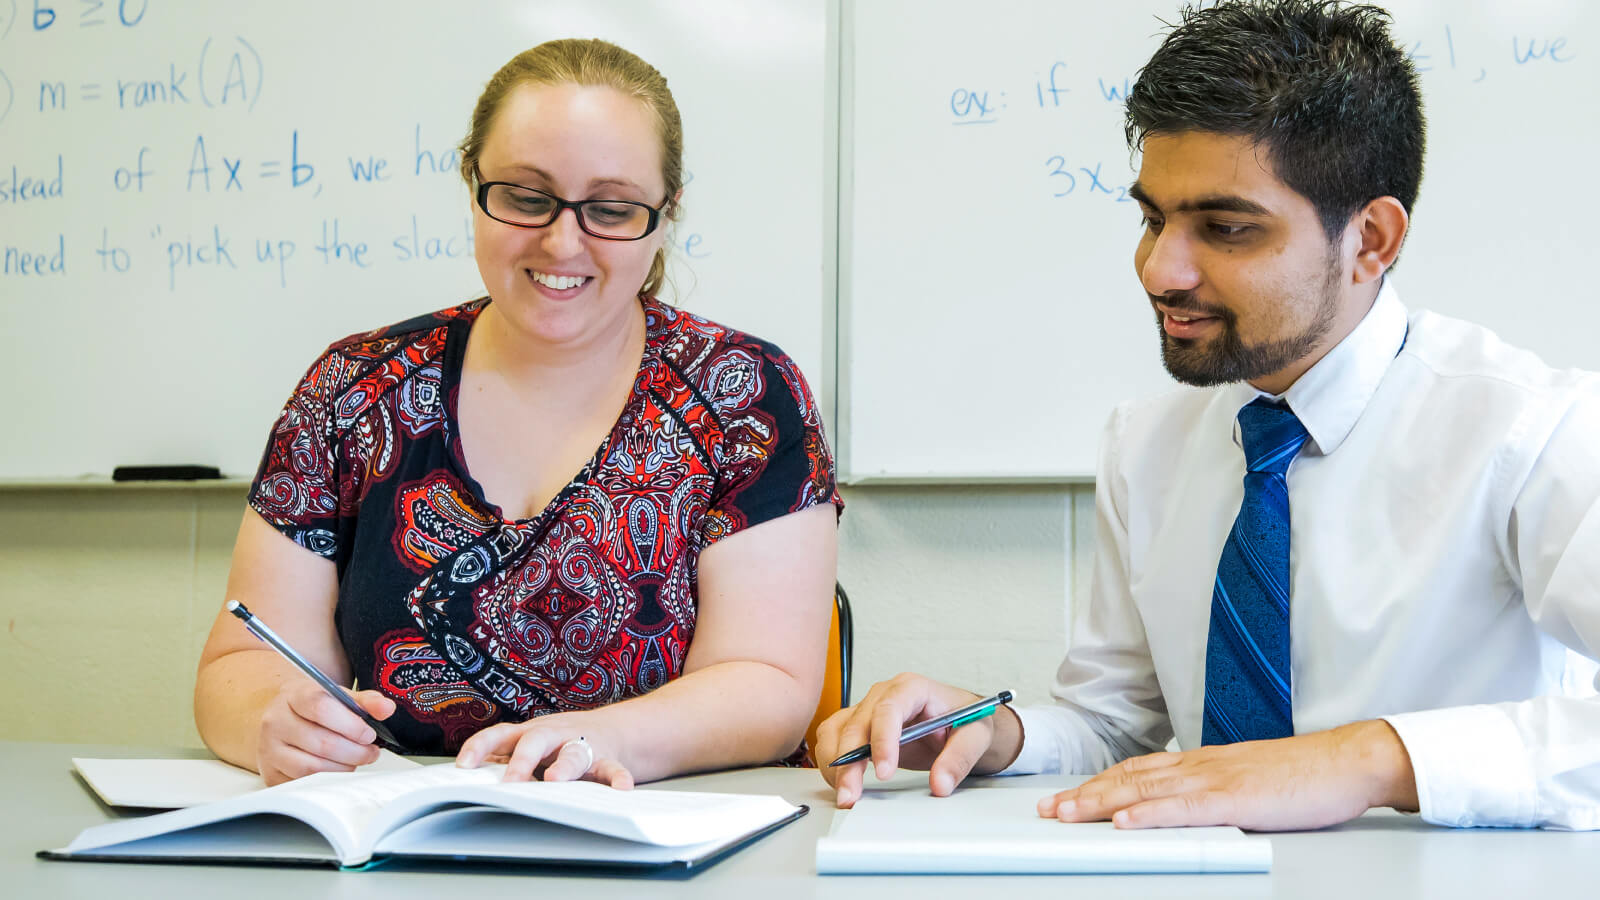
[(466, 619)]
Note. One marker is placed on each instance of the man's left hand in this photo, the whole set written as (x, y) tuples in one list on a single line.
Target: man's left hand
[(1302, 782)]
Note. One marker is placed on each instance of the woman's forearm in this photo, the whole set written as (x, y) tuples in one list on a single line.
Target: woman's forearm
[(732, 713), (230, 694)]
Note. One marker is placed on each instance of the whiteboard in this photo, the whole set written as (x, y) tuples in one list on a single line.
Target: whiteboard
[(990, 317), (227, 188)]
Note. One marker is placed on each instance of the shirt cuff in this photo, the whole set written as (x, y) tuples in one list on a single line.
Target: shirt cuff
[(1041, 752), (1471, 767)]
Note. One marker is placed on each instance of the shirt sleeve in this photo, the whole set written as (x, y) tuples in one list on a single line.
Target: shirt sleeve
[(1108, 702), (773, 458), (1535, 762), (296, 489)]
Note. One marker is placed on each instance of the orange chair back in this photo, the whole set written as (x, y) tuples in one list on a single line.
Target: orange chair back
[(836, 675)]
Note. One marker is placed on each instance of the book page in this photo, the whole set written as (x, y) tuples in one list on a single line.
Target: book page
[(178, 783), (999, 830), (478, 832), (339, 805), (664, 818), (356, 801), (256, 837)]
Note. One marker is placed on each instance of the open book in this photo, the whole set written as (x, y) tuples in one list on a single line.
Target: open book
[(442, 812), (998, 830)]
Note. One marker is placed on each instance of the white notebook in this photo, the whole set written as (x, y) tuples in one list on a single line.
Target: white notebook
[(177, 783), (442, 812), (998, 830)]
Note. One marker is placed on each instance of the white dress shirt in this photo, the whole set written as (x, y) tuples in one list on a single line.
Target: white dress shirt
[(1444, 553)]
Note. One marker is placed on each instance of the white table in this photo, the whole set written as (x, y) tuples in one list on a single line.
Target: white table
[(1379, 855)]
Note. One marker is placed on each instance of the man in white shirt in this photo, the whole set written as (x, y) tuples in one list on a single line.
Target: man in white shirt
[(1424, 498)]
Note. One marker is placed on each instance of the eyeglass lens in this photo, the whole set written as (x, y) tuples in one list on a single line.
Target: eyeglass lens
[(606, 218)]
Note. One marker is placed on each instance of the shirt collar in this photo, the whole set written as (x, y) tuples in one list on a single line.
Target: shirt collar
[(1329, 397)]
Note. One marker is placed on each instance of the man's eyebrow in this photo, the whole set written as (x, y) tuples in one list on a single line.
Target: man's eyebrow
[(1226, 203), (1210, 203)]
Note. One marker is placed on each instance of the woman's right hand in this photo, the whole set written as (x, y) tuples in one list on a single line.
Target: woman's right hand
[(303, 730)]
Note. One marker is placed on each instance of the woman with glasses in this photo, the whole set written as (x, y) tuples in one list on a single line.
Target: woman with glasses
[(564, 526)]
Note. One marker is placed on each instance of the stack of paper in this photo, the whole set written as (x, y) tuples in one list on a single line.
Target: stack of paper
[(998, 830)]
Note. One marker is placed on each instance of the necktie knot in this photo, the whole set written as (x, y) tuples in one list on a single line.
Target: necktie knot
[(1271, 435)]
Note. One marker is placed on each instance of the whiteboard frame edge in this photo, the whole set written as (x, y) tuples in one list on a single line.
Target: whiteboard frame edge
[(937, 479), (832, 389), (843, 234), (104, 482)]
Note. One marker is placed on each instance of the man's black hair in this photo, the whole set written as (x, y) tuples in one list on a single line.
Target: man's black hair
[(1318, 84)]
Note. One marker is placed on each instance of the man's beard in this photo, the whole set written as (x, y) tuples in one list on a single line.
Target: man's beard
[(1224, 358)]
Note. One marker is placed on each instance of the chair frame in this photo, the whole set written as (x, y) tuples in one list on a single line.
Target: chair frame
[(841, 602)]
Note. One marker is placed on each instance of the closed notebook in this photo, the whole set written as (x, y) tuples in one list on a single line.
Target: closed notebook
[(445, 813), (999, 831), (177, 783)]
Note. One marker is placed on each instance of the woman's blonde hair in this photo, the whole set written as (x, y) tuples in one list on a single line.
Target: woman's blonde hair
[(594, 63)]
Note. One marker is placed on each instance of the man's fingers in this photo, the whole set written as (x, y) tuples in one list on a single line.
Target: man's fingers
[(1127, 789), (1197, 808), (848, 784), (1113, 778), (828, 746), (1148, 761), (855, 730), (888, 719), (877, 722), (962, 749)]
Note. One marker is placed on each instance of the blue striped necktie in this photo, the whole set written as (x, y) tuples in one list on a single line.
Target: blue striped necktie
[(1247, 652)]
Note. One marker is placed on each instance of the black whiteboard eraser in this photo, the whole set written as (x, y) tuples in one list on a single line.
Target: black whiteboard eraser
[(165, 473)]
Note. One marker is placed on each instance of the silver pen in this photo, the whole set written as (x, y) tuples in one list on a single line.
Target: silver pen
[(260, 630)]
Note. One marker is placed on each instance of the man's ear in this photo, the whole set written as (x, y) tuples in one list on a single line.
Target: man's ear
[(1379, 229)]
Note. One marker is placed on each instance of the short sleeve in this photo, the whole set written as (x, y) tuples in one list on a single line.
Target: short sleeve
[(773, 458), (296, 489)]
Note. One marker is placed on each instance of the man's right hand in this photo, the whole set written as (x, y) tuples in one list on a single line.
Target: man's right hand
[(949, 754), (303, 730)]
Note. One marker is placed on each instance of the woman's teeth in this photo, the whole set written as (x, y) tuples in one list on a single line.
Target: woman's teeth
[(558, 282)]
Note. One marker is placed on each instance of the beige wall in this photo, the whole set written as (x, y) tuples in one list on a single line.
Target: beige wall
[(107, 594)]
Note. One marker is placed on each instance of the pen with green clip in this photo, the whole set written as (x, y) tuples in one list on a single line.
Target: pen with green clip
[(952, 719)]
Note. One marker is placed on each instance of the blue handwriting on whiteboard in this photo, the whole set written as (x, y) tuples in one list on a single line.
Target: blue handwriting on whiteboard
[(1066, 180), (93, 14), (1048, 85), (1555, 50), (18, 261), (972, 107)]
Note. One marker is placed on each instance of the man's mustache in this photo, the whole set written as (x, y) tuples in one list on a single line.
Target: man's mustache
[(1184, 303)]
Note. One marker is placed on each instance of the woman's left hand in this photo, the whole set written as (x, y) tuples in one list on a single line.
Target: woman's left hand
[(562, 747)]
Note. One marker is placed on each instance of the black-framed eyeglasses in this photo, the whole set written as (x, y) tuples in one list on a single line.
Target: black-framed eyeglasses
[(525, 207)]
